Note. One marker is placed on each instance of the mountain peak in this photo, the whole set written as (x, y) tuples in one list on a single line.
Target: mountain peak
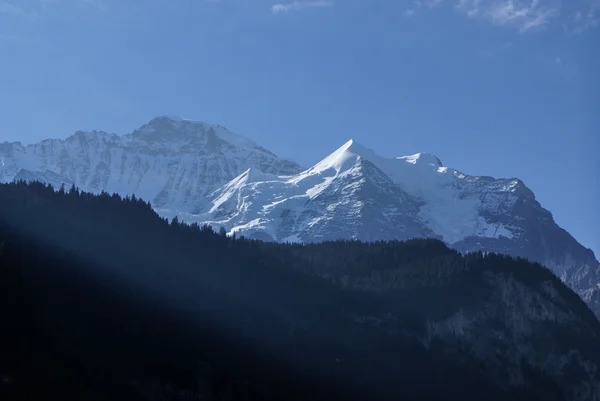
[(176, 123), (345, 156), (356, 148), (170, 128)]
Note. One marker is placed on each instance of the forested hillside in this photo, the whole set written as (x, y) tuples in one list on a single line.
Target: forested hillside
[(102, 299)]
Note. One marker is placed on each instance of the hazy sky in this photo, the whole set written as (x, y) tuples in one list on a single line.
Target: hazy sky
[(492, 87)]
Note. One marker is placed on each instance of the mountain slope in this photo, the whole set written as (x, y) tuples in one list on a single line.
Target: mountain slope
[(106, 300)]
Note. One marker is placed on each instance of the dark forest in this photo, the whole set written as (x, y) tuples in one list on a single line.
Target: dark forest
[(102, 299)]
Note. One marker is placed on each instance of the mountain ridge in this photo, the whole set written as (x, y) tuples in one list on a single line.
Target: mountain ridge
[(203, 173)]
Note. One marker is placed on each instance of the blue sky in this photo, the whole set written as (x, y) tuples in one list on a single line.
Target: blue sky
[(492, 87)]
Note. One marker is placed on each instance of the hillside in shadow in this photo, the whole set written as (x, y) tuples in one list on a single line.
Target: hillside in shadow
[(104, 300)]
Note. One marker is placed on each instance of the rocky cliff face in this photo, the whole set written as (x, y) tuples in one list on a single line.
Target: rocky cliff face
[(204, 173), (525, 321), (585, 278)]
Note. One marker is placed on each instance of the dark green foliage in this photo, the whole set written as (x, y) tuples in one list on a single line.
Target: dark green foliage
[(98, 289)]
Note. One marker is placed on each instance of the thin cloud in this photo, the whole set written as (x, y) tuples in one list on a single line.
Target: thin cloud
[(587, 18), (300, 5), (521, 14)]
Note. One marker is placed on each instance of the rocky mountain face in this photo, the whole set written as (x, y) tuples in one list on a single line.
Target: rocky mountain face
[(204, 173), (171, 162), (586, 279)]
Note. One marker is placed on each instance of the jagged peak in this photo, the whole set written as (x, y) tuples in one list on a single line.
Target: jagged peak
[(171, 125), (166, 127), (90, 134)]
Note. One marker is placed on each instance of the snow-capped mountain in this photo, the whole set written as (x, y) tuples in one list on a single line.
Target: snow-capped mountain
[(173, 163), (204, 173), (343, 196), (354, 193)]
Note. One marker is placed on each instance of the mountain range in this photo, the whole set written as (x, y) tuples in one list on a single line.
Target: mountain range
[(203, 173)]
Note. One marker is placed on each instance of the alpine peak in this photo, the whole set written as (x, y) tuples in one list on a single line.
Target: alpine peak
[(344, 157), (170, 128)]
